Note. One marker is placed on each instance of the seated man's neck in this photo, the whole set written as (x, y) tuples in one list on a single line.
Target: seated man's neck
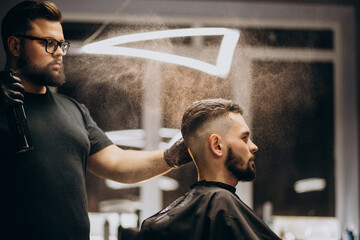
[(217, 176)]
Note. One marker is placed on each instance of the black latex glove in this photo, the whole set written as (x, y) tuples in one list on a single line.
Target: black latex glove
[(177, 154), (11, 90)]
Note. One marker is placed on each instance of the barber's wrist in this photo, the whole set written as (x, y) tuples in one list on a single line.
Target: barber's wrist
[(168, 159), (177, 155)]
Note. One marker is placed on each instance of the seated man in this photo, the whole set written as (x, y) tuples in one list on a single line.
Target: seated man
[(218, 139)]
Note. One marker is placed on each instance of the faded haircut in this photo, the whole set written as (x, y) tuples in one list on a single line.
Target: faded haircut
[(17, 20), (203, 111)]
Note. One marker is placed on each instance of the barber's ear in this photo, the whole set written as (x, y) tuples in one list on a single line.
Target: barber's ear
[(215, 145), (14, 45)]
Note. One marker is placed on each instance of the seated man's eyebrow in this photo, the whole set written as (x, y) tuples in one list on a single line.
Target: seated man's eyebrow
[(247, 133)]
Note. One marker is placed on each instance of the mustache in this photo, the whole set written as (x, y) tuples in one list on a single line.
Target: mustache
[(56, 61)]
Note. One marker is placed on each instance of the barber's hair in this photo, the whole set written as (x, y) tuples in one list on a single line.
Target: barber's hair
[(204, 111), (17, 19)]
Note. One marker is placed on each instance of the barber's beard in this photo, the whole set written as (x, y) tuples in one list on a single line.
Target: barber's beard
[(41, 76), (247, 174)]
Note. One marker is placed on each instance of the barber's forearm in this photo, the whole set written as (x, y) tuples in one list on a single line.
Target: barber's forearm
[(127, 166), (144, 165)]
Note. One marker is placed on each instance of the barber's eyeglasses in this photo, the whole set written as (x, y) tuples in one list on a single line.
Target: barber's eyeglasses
[(50, 44)]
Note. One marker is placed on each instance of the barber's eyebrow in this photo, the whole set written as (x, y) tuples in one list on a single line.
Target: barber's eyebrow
[(246, 133)]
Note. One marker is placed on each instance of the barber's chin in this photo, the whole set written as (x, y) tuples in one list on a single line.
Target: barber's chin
[(55, 73), (57, 81)]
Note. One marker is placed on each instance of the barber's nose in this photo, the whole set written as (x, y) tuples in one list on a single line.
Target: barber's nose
[(253, 147), (58, 51)]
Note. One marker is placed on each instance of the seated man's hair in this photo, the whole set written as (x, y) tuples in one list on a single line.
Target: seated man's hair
[(203, 111)]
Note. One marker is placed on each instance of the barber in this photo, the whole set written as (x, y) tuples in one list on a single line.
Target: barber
[(43, 189)]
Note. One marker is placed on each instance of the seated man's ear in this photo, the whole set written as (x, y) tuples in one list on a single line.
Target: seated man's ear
[(215, 145)]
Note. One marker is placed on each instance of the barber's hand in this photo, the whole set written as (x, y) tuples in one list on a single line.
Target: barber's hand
[(177, 154), (11, 90)]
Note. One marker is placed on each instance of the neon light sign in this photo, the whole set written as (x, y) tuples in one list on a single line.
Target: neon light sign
[(223, 62)]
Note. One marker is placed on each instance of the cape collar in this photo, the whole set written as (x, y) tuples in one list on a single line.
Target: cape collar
[(217, 184)]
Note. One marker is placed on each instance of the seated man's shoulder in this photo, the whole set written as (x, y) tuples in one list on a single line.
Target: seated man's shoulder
[(225, 196), (222, 198)]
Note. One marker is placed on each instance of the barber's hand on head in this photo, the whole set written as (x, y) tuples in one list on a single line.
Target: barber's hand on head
[(11, 90), (177, 154)]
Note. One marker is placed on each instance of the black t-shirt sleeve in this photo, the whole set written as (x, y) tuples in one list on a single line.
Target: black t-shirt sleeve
[(97, 137)]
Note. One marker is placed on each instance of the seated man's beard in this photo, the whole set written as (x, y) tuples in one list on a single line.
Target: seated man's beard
[(41, 76), (245, 175)]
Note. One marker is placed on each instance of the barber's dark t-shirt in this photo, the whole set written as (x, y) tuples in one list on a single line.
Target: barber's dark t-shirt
[(43, 192)]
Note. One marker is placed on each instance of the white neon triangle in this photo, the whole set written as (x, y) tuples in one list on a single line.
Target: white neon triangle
[(224, 58)]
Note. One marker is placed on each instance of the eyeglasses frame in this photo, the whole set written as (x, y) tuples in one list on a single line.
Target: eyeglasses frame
[(59, 44)]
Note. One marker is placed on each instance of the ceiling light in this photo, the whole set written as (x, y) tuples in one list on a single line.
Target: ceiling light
[(310, 185)]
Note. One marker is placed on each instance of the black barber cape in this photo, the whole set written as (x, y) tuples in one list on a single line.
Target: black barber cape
[(210, 210)]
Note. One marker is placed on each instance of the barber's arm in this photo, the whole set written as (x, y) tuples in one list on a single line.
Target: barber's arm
[(129, 166)]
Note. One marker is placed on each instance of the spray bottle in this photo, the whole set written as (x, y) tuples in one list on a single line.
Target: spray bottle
[(18, 126)]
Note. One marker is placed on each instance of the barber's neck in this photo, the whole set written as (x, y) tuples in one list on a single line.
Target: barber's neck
[(29, 86), (32, 88)]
